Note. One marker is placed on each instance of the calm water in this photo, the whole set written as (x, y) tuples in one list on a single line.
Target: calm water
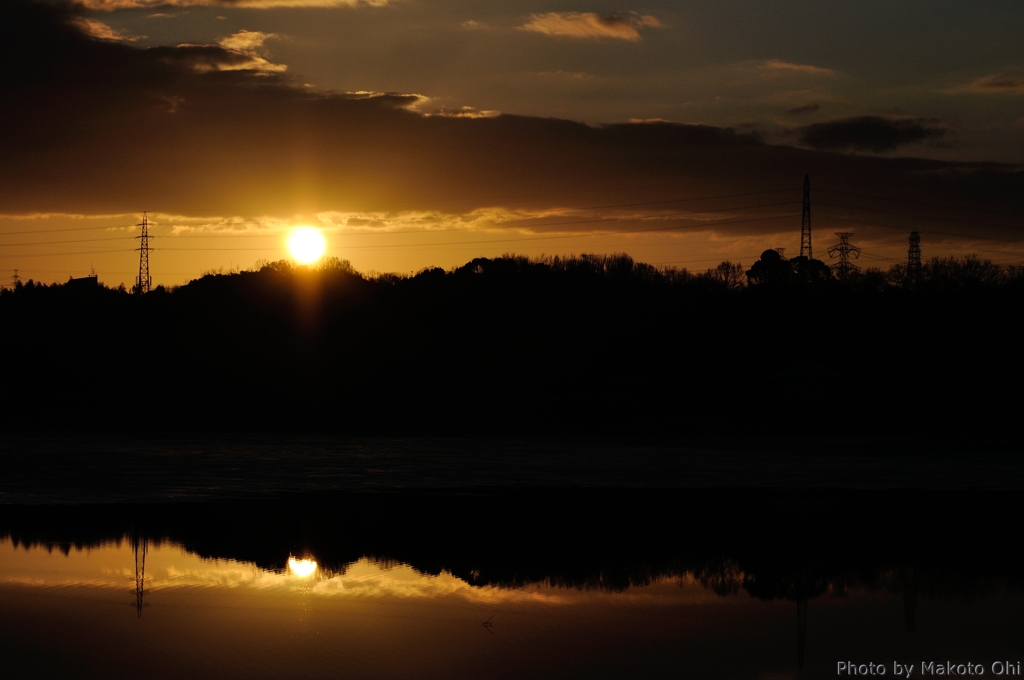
[(97, 469), (157, 610), (504, 559)]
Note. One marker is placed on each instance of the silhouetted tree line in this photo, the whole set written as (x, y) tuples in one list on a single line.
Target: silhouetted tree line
[(513, 342), (938, 275)]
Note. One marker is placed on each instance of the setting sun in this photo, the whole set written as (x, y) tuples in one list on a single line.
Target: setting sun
[(301, 568), (306, 244)]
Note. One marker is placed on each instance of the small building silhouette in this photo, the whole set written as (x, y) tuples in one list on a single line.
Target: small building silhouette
[(82, 282)]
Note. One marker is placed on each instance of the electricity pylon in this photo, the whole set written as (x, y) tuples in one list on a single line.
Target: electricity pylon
[(844, 249), (144, 282), (914, 255), (805, 222), (140, 546)]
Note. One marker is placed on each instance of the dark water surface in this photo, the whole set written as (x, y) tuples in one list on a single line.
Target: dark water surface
[(361, 558), (131, 469)]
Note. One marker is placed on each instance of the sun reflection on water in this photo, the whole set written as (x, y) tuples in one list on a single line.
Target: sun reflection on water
[(301, 568)]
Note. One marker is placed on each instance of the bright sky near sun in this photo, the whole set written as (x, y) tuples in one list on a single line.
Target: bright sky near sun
[(306, 244), (677, 132)]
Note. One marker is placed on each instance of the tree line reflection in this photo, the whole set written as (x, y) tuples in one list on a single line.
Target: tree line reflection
[(605, 540), (729, 543)]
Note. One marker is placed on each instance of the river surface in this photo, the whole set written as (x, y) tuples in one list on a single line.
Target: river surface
[(156, 610), (97, 469), (213, 557)]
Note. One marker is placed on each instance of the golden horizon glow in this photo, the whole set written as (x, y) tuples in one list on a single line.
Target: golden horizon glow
[(306, 244), (301, 568)]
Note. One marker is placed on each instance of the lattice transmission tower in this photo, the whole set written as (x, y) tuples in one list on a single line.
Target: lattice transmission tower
[(140, 546), (844, 249), (914, 255), (805, 222), (144, 283)]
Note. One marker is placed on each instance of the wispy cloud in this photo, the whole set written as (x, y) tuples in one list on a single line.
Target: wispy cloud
[(245, 41), (100, 31), (998, 83), (483, 219), (115, 5), (566, 75), (778, 67), (236, 52), (464, 112), (590, 26), (184, 225)]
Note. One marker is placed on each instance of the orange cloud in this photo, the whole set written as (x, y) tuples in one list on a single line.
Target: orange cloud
[(464, 112), (245, 41), (100, 31), (590, 26), (236, 52)]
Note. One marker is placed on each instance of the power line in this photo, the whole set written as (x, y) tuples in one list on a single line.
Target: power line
[(684, 200), (926, 203), (859, 220), (105, 271), (708, 259), (920, 217), (53, 231), (78, 252), (82, 240), (561, 193)]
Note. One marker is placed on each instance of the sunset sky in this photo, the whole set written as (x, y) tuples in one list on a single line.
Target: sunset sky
[(422, 133)]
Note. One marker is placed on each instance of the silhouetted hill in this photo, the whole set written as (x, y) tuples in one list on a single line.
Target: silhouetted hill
[(511, 344)]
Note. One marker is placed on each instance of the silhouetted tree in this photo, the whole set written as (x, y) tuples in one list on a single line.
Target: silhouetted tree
[(957, 273), (729, 274), (770, 269), (809, 272)]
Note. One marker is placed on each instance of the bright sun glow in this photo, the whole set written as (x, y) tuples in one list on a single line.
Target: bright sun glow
[(301, 568), (306, 244)]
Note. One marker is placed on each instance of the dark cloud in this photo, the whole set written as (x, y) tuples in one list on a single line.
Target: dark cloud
[(1007, 83), (875, 134), (99, 126), (804, 108), (115, 5)]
